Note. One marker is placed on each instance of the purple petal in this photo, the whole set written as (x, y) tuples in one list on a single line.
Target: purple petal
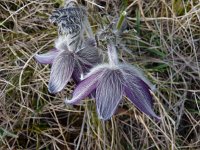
[(109, 92), (82, 68), (89, 56), (138, 93), (76, 76), (46, 58), (90, 42), (132, 70), (79, 69), (61, 71), (84, 88)]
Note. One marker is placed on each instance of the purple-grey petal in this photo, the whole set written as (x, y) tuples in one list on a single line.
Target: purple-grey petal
[(76, 75), (132, 70), (79, 69), (89, 56), (84, 88), (109, 92), (61, 71), (90, 42), (138, 93), (46, 58)]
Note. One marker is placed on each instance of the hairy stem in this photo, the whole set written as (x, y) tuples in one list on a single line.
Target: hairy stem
[(112, 54), (88, 29)]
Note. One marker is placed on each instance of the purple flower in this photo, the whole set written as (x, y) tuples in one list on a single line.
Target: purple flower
[(71, 56), (112, 81), (67, 63)]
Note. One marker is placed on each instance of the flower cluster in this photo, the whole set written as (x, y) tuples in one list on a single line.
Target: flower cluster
[(74, 56)]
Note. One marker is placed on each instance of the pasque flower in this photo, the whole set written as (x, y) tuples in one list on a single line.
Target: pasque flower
[(112, 81), (67, 63), (72, 55)]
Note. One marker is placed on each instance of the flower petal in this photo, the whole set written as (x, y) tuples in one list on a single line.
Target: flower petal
[(109, 92), (76, 75), (138, 93), (89, 56), (61, 71), (46, 58), (90, 42), (79, 69), (85, 87), (132, 70)]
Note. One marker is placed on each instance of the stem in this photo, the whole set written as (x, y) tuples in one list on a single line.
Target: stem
[(112, 54), (88, 29), (121, 19), (70, 3)]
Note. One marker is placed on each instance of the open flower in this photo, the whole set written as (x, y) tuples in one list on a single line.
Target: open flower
[(112, 81), (72, 55), (67, 63)]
